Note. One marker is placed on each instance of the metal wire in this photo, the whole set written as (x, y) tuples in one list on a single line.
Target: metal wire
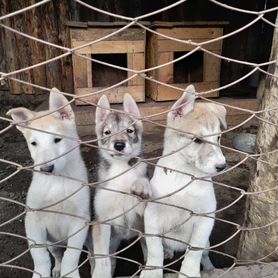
[(150, 161)]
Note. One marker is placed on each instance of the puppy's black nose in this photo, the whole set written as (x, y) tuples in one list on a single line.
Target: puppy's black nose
[(119, 146), (47, 168), (220, 167)]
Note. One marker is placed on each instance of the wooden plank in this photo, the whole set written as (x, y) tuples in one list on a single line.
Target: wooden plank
[(110, 47), (90, 34), (166, 93), (79, 71), (190, 33), (166, 73), (212, 67), (89, 72), (136, 61), (167, 24), (169, 45), (115, 95), (116, 23)]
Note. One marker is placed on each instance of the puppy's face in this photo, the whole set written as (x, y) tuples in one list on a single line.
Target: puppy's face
[(119, 134), (48, 151), (199, 138)]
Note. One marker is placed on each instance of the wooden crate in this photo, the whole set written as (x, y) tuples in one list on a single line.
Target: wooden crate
[(200, 68), (126, 49)]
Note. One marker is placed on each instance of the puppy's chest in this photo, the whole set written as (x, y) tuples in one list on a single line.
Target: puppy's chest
[(122, 177), (55, 193), (182, 191)]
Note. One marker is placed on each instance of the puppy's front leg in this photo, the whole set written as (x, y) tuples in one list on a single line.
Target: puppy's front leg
[(199, 239), (155, 254), (101, 234), (142, 188), (36, 232), (69, 266)]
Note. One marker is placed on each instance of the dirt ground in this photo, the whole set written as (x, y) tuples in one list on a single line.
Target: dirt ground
[(13, 148)]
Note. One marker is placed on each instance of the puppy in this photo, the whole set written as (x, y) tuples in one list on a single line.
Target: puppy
[(190, 152), (56, 186), (120, 141)]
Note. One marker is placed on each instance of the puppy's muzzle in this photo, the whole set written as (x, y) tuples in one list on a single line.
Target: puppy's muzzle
[(220, 167), (119, 146), (47, 168)]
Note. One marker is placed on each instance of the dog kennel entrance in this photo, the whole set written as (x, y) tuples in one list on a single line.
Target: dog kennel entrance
[(125, 49)]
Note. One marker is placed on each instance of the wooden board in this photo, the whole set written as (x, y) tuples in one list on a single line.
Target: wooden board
[(164, 93), (169, 45), (90, 34), (109, 47), (79, 71), (136, 61), (115, 95), (189, 33)]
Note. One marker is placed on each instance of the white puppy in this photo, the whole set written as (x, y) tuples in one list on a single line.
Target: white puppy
[(120, 138), (186, 222), (56, 186)]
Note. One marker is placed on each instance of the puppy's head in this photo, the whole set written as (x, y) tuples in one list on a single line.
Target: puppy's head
[(200, 126), (46, 148), (119, 133)]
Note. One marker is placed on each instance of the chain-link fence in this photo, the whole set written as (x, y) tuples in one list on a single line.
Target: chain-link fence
[(181, 199)]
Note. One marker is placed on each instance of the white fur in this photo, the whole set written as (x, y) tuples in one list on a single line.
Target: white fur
[(177, 225), (125, 211), (44, 227)]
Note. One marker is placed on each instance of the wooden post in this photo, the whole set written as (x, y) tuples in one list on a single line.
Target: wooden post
[(262, 208)]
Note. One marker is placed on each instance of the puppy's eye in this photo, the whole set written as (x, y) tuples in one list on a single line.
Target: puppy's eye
[(57, 140), (107, 132), (34, 143), (198, 141), (129, 130)]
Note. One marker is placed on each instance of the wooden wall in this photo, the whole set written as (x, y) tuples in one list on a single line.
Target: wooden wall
[(48, 22)]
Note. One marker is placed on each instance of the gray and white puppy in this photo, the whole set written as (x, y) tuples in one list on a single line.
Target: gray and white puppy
[(118, 214)]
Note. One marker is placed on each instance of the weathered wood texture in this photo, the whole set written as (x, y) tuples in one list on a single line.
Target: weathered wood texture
[(46, 22), (261, 207), (161, 50), (91, 77)]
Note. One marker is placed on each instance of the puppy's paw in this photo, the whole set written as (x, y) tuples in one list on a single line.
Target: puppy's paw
[(101, 275), (156, 273), (142, 188), (189, 271), (56, 272), (168, 254)]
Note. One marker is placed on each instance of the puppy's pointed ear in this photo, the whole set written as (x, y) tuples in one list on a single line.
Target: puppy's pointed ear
[(130, 106), (184, 104), (19, 115), (102, 109), (57, 103), (220, 112)]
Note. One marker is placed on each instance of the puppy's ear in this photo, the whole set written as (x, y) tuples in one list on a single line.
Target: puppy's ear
[(220, 112), (130, 106), (57, 103), (184, 104), (19, 115), (102, 109)]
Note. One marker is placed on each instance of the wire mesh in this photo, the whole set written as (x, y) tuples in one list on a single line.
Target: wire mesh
[(12, 170)]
